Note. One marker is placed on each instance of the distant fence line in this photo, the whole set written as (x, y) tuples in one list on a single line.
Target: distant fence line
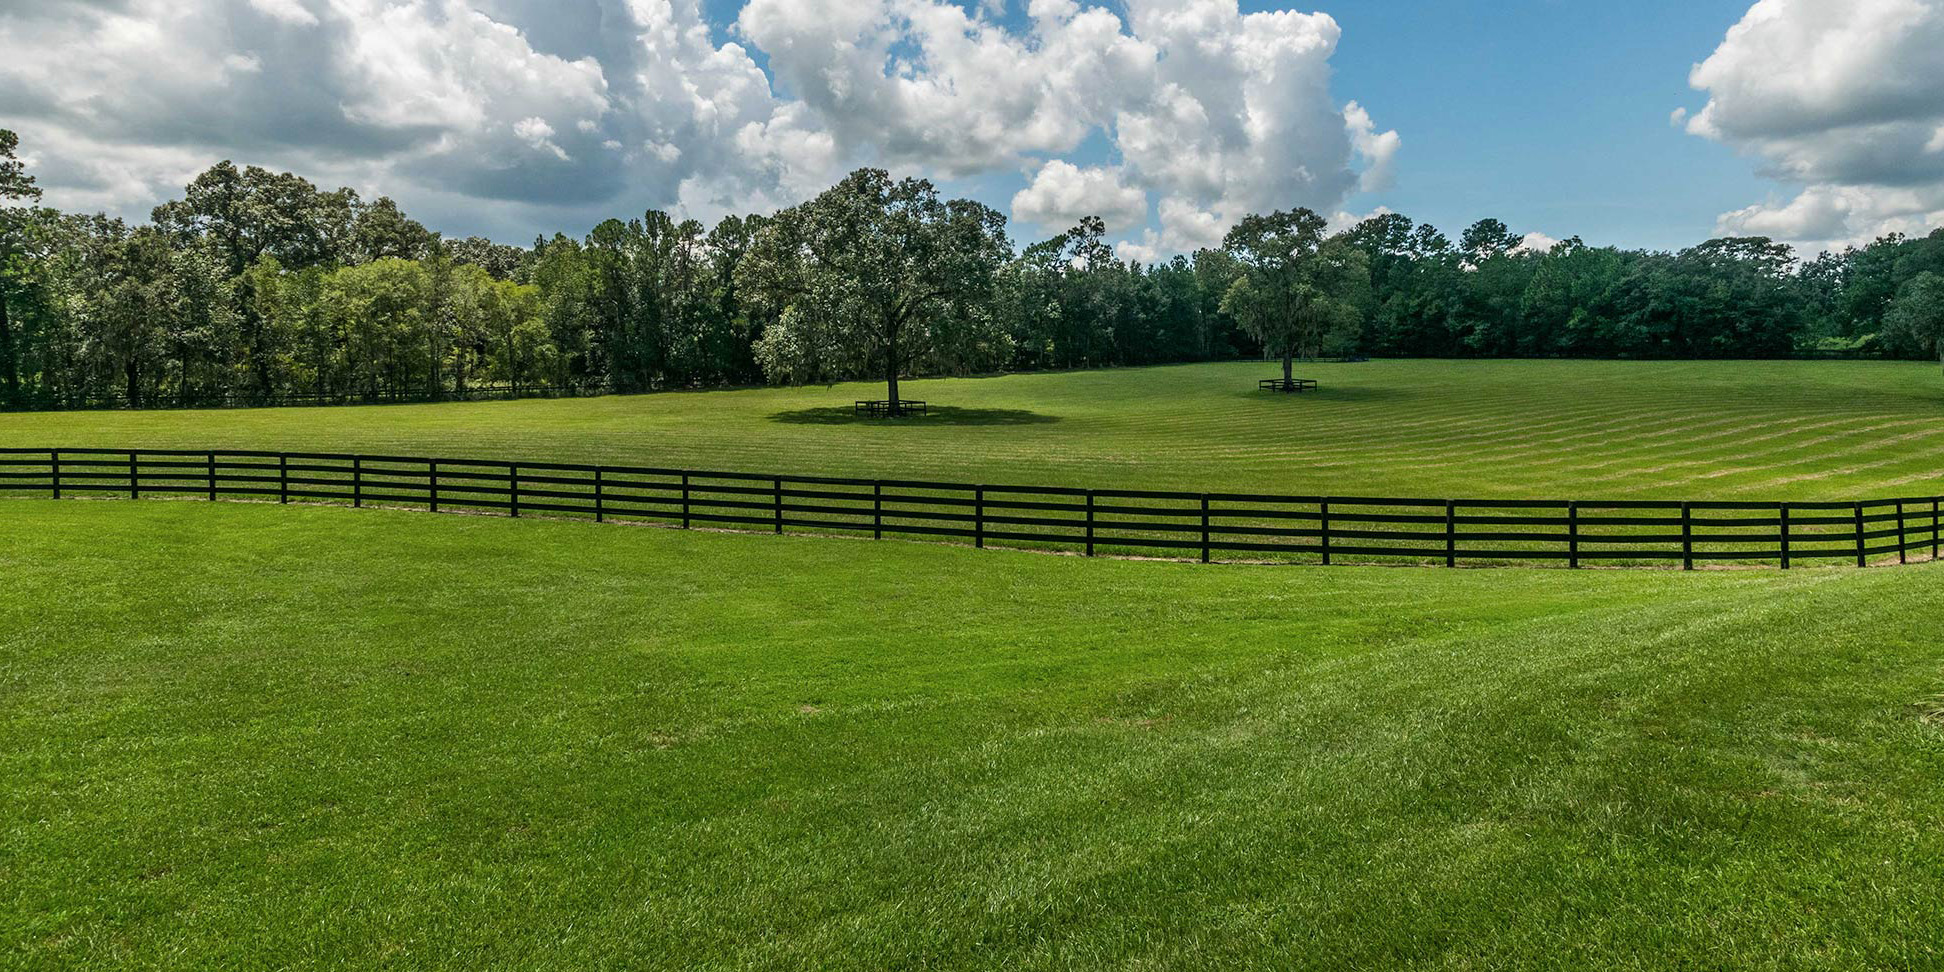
[(493, 392), (1234, 527), (472, 393)]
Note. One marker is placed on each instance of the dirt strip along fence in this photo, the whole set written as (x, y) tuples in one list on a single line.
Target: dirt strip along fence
[(1225, 527)]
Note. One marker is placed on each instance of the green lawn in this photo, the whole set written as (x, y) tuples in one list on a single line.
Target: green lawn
[(239, 736), (1492, 429)]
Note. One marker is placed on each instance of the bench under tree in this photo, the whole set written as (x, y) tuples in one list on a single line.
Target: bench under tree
[(1287, 384), (883, 409)]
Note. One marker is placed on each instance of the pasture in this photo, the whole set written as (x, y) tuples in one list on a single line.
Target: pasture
[(246, 735), (250, 736), (1779, 430)]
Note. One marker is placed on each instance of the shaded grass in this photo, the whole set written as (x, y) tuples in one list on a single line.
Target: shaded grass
[(1488, 429), (943, 415), (237, 736)]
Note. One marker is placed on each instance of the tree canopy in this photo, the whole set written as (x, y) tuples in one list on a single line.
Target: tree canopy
[(1299, 290), (878, 274), (1916, 314), (257, 286), (15, 269)]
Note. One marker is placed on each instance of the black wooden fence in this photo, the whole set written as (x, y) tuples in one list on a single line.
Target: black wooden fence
[(1248, 527)]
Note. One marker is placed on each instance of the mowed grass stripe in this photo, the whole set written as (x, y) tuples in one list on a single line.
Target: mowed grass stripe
[(306, 737), (1492, 429)]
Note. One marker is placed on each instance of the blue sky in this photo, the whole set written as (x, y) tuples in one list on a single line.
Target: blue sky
[(1817, 122), (1549, 114)]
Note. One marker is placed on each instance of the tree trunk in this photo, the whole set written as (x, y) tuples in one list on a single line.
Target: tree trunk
[(9, 357), (892, 406), (434, 386), (253, 328), (1289, 365)]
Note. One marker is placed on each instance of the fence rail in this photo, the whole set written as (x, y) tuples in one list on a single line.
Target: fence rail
[(1251, 527)]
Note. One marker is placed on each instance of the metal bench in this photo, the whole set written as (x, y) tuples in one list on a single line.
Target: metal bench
[(1287, 385), (881, 408)]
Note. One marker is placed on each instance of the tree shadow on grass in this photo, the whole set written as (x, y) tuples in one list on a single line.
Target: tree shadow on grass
[(1329, 392), (936, 415)]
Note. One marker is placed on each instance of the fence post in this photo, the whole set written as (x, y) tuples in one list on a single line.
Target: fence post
[(283, 478), (1687, 536), (513, 484), (777, 484), (134, 477), (1572, 536), (600, 506), (357, 481), (1323, 509), (1934, 511), (1090, 522), (1204, 512), (1785, 534), (978, 517), (432, 483), (1862, 552), (1451, 533), (54, 460), (1903, 541), (212, 477), (877, 510), (685, 501)]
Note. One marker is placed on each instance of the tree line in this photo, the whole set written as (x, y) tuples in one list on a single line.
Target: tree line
[(259, 287)]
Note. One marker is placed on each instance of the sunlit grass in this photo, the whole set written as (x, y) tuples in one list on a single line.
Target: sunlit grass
[(1492, 429), (248, 736)]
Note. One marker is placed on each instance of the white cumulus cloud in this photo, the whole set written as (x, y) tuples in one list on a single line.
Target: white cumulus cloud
[(289, 11), (1379, 149), (1841, 103), (1537, 242), (537, 133), (929, 83), (1061, 194), (560, 112)]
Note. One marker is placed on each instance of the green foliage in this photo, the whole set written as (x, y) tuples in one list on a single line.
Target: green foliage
[(390, 330), (19, 274), (1070, 303), (15, 183), (1915, 318), (871, 277), (1299, 292), (876, 275), (501, 334), (248, 213)]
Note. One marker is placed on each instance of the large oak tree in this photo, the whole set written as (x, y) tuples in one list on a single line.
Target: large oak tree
[(877, 275), (15, 186), (1298, 289), (1916, 316)]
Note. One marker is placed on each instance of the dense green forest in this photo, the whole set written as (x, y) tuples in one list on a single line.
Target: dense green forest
[(259, 287)]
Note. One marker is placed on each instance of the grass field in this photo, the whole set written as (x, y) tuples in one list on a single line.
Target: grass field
[(243, 736), (1487, 429)]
